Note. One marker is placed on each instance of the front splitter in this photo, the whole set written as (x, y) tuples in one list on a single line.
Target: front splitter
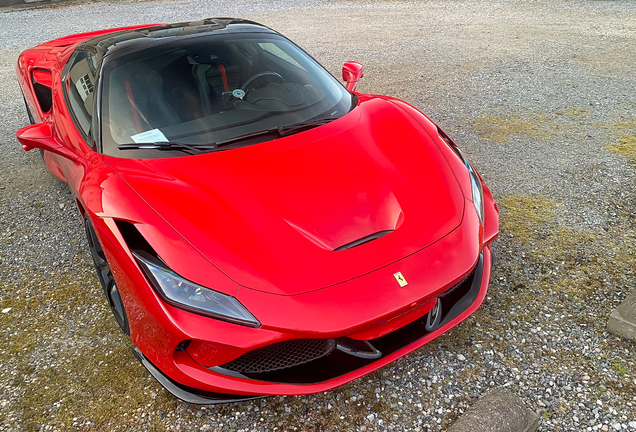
[(189, 394)]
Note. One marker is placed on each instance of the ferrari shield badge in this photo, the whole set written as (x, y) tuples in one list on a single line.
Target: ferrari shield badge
[(400, 279)]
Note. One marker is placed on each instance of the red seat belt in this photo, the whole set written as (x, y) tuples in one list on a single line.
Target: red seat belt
[(133, 108), (224, 77)]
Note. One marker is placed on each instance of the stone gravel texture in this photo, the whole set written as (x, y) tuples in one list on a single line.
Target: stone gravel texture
[(540, 94)]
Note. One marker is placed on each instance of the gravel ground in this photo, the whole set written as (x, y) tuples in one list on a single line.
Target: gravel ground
[(539, 93)]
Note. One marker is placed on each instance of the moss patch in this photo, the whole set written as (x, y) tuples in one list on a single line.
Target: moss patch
[(499, 129), (573, 112), (623, 125), (98, 387), (524, 215), (624, 135), (72, 365), (625, 147), (569, 260)]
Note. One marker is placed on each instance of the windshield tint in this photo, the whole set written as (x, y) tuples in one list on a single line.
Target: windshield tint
[(213, 89)]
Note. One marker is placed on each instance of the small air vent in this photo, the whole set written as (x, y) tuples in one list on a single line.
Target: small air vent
[(363, 240)]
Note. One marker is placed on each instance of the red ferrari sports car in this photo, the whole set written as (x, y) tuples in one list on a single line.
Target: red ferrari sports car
[(257, 227)]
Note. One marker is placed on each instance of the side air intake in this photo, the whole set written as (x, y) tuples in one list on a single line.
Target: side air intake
[(43, 94)]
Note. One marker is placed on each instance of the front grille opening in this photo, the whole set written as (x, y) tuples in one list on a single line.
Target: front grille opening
[(337, 363), (281, 355)]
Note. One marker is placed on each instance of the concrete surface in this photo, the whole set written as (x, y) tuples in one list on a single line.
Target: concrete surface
[(622, 321), (497, 411)]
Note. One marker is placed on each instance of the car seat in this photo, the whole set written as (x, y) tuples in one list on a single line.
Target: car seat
[(136, 102), (215, 73)]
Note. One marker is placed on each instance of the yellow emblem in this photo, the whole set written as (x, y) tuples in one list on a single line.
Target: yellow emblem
[(401, 280)]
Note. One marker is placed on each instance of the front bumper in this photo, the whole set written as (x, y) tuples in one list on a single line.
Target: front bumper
[(330, 371)]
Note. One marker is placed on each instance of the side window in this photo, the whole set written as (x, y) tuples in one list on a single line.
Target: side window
[(80, 87), (275, 50)]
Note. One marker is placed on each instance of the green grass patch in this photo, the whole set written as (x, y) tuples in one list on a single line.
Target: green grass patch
[(618, 365)]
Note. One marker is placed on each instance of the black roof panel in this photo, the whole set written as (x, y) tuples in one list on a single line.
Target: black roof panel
[(131, 40)]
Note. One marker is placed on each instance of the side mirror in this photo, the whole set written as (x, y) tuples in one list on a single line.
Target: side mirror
[(351, 73), (41, 136)]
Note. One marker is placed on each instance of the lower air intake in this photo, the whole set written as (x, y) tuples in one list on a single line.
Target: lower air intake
[(282, 355)]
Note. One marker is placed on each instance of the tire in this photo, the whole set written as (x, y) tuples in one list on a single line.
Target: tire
[(31, 119), (105, 276)]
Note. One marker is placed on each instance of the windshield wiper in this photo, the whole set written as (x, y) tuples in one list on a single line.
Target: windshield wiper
[(162, 145), (280, 130), (246, 136), (287, 130), (198, 148)]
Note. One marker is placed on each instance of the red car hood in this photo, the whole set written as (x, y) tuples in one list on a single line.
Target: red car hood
[(270, 215)]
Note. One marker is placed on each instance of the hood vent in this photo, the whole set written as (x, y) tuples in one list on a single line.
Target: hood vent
[(363, 240)]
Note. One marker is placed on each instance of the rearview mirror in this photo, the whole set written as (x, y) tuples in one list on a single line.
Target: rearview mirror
[(351, 73), (41, 136)]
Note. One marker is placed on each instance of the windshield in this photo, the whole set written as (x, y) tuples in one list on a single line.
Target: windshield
[(213, 89)]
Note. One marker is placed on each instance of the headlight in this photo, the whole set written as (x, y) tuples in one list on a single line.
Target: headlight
[(194, 298), (475, 185), (478, 193)]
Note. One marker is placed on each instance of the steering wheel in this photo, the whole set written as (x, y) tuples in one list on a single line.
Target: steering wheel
[(259, 75)]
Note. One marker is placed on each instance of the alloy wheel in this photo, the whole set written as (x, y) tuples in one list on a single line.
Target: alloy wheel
[(105, 276)]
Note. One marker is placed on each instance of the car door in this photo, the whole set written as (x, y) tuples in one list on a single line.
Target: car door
[(74, 119)]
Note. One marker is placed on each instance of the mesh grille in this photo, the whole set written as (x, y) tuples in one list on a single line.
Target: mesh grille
[(281, 355), (45, 98), (459, 285)]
